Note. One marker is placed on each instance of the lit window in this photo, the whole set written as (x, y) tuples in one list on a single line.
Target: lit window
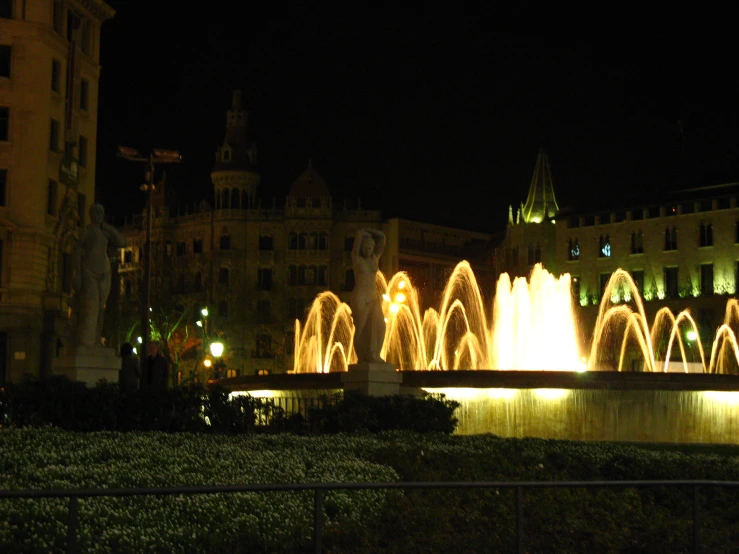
[(605, 246)]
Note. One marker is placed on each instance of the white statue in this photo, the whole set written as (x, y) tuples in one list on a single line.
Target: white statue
[(91, 282), (365, 302)]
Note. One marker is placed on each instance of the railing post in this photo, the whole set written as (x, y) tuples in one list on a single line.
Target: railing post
[(317, 520), (519, 520), (72, 546), (696, 521)]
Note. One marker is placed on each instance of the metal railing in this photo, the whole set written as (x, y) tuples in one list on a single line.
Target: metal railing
[(320, 488)]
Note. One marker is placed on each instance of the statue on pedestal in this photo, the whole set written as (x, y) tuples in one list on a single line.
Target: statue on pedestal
[(91, 283), (365, 302)]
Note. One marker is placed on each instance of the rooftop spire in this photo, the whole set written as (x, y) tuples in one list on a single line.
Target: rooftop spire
[(540, 203)]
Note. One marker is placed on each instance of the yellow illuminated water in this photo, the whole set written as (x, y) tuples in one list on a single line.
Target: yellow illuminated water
[(530, 325)]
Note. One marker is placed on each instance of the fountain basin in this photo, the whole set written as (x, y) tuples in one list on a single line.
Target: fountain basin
[(595, 405)]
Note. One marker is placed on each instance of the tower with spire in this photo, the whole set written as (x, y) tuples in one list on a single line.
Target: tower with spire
[(530, 236), (540, 204), (235, 175)]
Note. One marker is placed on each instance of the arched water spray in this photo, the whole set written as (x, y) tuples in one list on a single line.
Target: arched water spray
[(530, 325)]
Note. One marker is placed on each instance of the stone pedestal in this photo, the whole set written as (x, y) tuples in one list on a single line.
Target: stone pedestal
[(372, 379), (88, 364)]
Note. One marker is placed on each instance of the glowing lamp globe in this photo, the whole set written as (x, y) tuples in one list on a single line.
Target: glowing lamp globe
[(216, 348)]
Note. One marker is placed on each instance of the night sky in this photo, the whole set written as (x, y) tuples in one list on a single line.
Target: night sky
[(430, 116)]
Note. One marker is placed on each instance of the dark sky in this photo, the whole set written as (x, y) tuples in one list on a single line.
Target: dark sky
[(431, 116)]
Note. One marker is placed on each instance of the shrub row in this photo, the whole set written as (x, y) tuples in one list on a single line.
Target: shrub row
[(70, 405)]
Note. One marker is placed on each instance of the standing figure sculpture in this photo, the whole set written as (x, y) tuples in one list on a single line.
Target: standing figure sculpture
[(365, 302), (91, 282)]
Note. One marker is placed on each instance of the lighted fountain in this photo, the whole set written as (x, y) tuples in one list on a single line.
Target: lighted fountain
[(532, 327), (518, 368)]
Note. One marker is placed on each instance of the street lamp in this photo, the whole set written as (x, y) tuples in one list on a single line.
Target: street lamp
[(216, 348), (157, 156)]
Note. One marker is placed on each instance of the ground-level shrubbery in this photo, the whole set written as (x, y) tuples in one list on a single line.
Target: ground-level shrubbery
[(196, 408), (630, 520)]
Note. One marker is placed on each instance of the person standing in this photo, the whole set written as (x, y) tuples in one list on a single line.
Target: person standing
[(157, 369)]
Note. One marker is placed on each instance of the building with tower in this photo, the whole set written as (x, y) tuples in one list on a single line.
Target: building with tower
[(49, 72), (257, 269), (681, 248)]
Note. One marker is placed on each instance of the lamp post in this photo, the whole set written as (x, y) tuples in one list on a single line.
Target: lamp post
[(157, 156)]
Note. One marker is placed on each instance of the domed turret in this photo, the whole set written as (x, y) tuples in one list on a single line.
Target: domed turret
[(235, 175)]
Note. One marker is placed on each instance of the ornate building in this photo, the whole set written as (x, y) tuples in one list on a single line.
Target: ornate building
[(49, 72), (682, 249), (257, 269)]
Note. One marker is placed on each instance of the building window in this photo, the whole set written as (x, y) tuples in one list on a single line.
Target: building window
[(263, 311), (51, 198), (197, 246), (706, 234), (223, 276), (638, 277), (54, 136), (81, 208), (292, 241), (263, 346), (181, 249), (266, 242), (58, 17), (302, 241), (84, 94), (310, 275), (264, 278), (3, 185), (56, 75), (323, 241), (4, 123), (605, 247), (292, 275), (670, 238), (671, 285), (68, 272), (301, 275), (323, 275), (5, 56), (531, 254), (573, 250), (6, 9), (223, 309), (706, 279), (83, 151), (348, 244), (637, 242), (225, 242), (537, 254)]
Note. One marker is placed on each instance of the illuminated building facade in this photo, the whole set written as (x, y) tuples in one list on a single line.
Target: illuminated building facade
[(49, 72), (682, 250), (258, 269)]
